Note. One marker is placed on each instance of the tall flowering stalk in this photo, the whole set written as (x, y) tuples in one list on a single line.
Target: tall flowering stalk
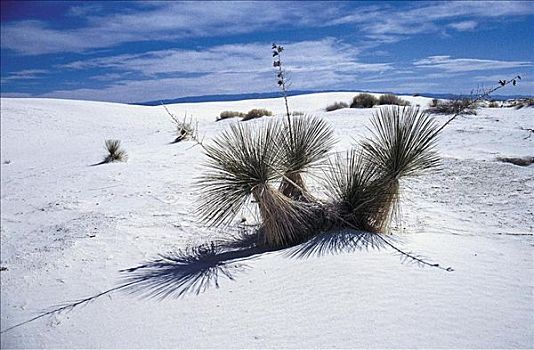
[(281, 76)]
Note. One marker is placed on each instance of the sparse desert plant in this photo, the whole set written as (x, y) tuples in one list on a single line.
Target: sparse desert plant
[(115, 152), (455, 106), (230, 114), (185, 128), (256, 113), (336, 105), (364, 101), (390, 99)]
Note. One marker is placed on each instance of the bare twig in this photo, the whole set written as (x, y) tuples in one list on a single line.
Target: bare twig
[(482, 95)]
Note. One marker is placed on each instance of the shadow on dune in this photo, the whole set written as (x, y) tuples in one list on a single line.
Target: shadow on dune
[(194, 270)]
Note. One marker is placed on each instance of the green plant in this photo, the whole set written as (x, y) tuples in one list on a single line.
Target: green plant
[(312, 140), (364, 101), (389, 99), (336, 105), (115, 152), (230, 114), (243, 163), (402, 145), (256, 113)]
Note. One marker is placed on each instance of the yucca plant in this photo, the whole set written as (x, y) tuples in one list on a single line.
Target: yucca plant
[(304, 143), (402, 144), (357, 191), (243, 162), (115, 152)]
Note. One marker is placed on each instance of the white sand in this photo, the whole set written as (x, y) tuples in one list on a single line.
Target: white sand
[(67, 228)]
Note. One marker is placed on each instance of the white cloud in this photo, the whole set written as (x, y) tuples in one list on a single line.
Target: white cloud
[(453, 65), (391, 24), (464, 25), (159, 21), (304, 57), (222, 69), (143, 21), (26, 74)]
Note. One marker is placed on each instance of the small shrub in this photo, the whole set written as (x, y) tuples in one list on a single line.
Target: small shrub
[(256, 113), (493, 104), (336, 105), (230, 114), (434, 103), (363, 101), (116, 153), (389, 99), (457, 106)]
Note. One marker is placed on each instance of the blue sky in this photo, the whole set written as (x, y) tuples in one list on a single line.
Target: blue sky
[(142, 51)]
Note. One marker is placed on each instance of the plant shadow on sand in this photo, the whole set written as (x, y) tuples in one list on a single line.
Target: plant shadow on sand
[(194, 270)]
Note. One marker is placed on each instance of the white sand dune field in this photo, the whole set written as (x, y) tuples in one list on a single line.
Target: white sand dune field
[(68, 228)]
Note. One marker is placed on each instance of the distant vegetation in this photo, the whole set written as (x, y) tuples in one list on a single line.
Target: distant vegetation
[(336, 105), (256, 113), (230, 114), (252, 114), (364, 101), (463, 106), (520, 103), (390, 99)]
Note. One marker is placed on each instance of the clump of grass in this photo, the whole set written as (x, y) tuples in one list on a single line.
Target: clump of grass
[(390, 99), (336, 105), (364, 101), (115, 152), (456, 106), (434, 103), (230, 114), (256, 113), (493, 104)]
